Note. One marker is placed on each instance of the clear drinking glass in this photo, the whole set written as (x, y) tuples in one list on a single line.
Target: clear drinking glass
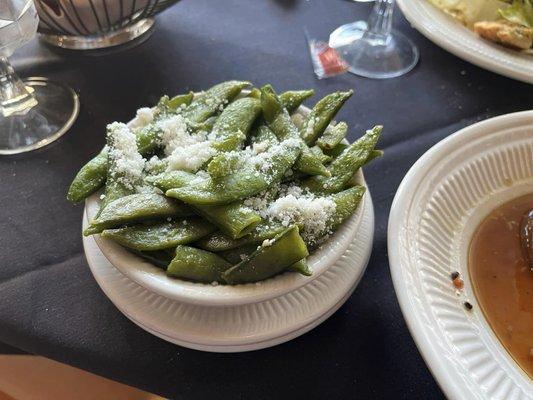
[(347, 33), (33, 112), (379, 52)]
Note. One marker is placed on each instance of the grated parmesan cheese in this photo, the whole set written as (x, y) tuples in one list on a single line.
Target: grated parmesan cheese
[(128, 163), (192, 157), (295, 205), (174, 133), (144, 117)]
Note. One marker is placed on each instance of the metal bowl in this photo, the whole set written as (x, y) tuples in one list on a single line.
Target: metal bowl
[(96, 24)]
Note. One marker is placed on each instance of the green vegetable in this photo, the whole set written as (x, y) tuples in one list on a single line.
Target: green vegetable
[(206, 105), (332, 136), (93, 175), (197, 265), (242, 183), (89, 179), (233, 125), (337, 150), (233, 219), (301, 267), (280, 123), (159, 258), (264, 134), (222, 165), (520, 12), (293, 99), (317, 151), (344, 167), (136, 208), (235, 256), (218, 241), (321, 115), (270, 259), (161, 235), (118, 184)]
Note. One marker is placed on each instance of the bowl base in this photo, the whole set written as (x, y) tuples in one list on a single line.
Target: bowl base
[(132, 34)]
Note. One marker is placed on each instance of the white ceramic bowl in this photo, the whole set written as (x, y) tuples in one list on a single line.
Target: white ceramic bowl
[(156, 280), (449, 34), (439, 204)]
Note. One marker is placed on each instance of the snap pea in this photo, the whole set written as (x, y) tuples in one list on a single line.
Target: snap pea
[(235, 256), (233, 219), (218, 241), (167, 105), (197, 265), (206, 126), (346, 202), (345, 165), (222, 165), (280, 123), (317, 151), (242, 183), (322, 114), (231, 128), (180, 100), (209, 103), (135, 208), (162, 235), (293, 99), (264, 133), (159, 258), (270, 259), (170, 179), (337, 150), (301, 267), (89, 179), (255, 93), (332, 136), (157, 167), (373, 155), (117, 184)]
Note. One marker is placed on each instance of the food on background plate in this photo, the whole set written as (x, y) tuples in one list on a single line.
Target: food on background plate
[(224, 186), (502, 277), (507, 22)]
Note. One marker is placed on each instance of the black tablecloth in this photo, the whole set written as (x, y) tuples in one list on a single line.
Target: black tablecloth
[(51, 305)]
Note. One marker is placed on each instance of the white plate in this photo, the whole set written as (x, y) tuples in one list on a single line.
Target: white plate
[(440, 202), (155, 279), (449, 34), (243, 327)]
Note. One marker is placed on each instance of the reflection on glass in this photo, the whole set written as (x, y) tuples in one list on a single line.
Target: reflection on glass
[(36, 111), (379, 52)]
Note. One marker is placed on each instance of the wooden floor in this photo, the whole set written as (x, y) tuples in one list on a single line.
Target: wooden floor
[(24, 377)]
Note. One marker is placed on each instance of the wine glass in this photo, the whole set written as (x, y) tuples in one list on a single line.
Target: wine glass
[(347, 33), (380, 52), (36, 111)]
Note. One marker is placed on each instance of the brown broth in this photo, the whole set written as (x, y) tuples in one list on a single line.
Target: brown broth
[(502, 283)]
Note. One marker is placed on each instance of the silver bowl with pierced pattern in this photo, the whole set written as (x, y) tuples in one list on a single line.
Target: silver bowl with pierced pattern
[(96, 24)]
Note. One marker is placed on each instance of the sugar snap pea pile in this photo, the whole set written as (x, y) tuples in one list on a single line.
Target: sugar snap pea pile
[(227, 186)]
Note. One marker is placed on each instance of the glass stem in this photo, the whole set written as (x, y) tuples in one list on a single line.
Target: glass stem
[(380, 21), (14, 96)]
